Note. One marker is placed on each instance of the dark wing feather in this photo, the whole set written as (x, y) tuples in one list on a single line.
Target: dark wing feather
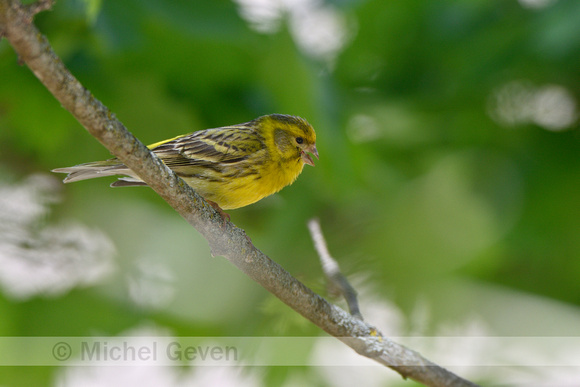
[(227, 145)]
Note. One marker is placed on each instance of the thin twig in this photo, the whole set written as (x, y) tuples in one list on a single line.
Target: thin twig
[(38, 6), (337, 282), (223, 237)]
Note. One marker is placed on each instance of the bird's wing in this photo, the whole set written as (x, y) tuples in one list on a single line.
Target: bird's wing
[(226, 145)]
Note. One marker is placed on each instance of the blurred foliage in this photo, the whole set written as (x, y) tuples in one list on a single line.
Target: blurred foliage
[(438, 190)]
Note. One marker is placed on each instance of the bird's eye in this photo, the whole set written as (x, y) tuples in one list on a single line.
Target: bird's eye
[(299, 140)]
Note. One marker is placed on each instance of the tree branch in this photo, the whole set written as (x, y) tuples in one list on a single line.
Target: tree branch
[(224, 238)]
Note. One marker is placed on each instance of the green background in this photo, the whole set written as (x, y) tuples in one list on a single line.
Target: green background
[(448, 185)]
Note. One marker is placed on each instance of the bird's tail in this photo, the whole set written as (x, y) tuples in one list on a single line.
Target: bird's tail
[(96, 169)]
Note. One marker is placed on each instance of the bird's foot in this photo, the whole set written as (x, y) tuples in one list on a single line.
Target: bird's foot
[(225, 216)]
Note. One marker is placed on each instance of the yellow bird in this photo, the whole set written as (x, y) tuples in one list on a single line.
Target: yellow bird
[(232, 166)]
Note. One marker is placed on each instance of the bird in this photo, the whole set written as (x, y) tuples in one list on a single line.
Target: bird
[(230, 166)]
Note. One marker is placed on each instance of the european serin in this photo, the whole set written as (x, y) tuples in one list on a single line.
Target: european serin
[(232, 166)]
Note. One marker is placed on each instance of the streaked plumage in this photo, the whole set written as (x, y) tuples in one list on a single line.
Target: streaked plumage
[(232, 166)]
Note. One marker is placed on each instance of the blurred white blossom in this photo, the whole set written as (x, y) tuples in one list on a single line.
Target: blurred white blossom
[(550, 106), (39, 258), (319, 29)]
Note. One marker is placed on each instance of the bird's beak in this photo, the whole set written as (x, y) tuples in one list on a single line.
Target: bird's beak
[(306, 157)]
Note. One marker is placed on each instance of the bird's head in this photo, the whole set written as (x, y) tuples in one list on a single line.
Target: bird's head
[(293, 136)]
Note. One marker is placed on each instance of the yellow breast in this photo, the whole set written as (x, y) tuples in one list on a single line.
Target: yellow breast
[(246, 189)]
